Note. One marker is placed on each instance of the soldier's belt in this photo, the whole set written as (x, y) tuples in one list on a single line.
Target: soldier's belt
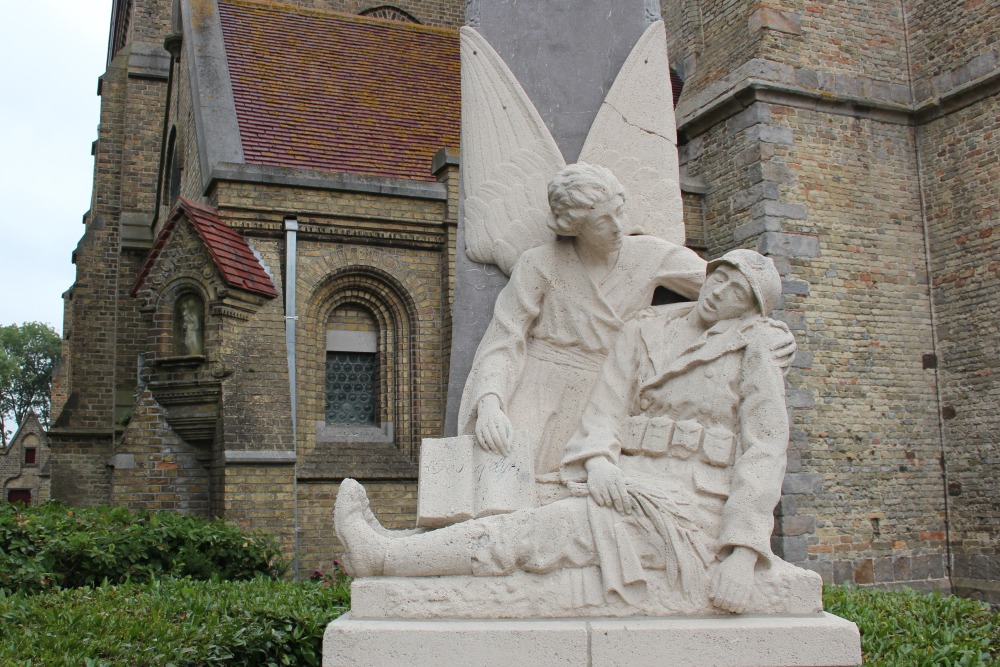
[(662, 436)]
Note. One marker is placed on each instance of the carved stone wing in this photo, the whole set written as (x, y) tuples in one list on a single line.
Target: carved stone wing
[(635, 136), (508, 158)]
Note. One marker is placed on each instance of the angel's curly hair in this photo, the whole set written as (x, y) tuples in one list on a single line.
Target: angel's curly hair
[(574, 191)]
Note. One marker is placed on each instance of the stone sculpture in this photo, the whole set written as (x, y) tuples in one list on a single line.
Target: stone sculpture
[(616, 465), (557, 318), (509, 155), (675, 469), (189, 334)]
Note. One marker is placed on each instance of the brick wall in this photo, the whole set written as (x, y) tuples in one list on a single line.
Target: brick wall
[(157, 470), (150, 20), (706, 40), (80, 472), (256, 403), (872, 432), (343, 259), (261, 497), (960, 160), (394, 503), (840, 189), (951, 41), (838, 37), (863, 485)]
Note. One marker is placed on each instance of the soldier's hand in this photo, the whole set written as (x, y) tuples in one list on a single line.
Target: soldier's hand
[(494, 432), (732, 582), (607, 485)]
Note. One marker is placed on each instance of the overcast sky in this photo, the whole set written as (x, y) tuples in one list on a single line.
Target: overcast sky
[(52, 53)]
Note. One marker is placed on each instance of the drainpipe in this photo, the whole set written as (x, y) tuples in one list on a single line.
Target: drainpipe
[(935, 343), (291, 232)]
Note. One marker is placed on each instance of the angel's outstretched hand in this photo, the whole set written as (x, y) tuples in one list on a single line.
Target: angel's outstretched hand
[(494, 432), (784, 349)]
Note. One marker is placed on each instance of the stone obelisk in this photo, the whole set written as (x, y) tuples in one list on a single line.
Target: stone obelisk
[(566, 55)]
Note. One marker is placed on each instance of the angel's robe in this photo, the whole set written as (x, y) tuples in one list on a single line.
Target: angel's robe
[(552, 329)]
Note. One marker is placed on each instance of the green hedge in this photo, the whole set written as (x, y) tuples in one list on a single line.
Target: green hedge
[(267, 622), (170, 622), (907, 629), (54, 546)]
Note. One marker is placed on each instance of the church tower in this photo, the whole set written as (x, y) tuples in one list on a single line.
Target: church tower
[(96, 386)]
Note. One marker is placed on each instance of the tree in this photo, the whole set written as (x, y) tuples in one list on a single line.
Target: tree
[(28, 355)]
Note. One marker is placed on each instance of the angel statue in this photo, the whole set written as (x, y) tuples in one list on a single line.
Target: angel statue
[(556, 319), (583, 255)]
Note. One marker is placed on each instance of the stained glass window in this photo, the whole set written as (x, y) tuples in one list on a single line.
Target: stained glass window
[(351, 387)]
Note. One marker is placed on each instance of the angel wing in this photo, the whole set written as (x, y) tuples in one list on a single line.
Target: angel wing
[(635, 136), (508, 158)]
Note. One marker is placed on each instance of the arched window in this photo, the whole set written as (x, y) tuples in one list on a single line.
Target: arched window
[(352, 368), (189, 325), (390, 13), (361, 368)]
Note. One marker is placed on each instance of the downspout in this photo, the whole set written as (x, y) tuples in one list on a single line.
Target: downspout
[(935, 343), (291, 255)]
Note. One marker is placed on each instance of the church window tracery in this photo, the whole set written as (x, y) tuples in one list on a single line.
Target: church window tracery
[(351, 386), (390, 13)]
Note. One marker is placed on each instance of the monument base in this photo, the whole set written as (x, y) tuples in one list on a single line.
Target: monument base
[(820, 640), (783, 590)]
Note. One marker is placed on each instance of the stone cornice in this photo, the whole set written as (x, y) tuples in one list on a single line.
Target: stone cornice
[(774, 83), (148, 61), (328, 180), (260, 457)]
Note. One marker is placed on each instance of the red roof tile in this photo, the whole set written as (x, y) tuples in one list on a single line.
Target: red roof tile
[(321, 90), (230, 252)]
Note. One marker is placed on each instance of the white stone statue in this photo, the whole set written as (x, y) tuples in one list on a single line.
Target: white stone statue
[(673, 473), (509, 155), (614, 459), (190, 313), (567, 299), (557, 318)]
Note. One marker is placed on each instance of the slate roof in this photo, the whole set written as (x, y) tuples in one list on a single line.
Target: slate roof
[(230, 252), (322, 90)]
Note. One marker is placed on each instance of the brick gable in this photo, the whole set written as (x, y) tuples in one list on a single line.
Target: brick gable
[(229, 251)]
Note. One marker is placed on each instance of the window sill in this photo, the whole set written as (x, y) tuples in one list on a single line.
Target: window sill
[(354, 433), (184, 360)]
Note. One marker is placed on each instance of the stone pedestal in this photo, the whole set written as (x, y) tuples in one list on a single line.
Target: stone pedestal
[(818, 640)]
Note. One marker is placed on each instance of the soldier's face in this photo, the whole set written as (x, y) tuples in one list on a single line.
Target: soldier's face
[(725, 295)]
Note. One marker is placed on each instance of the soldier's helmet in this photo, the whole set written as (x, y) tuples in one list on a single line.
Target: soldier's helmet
[(759, 271)]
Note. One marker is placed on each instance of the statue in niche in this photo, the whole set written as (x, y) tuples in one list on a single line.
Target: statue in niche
[(189, 325), (675, 468)]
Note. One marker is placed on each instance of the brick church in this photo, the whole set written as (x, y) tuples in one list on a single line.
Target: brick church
[(263, 295)]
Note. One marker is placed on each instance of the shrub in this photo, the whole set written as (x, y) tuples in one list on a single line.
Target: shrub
[(55, 546), (907, 629), (170, 622)]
